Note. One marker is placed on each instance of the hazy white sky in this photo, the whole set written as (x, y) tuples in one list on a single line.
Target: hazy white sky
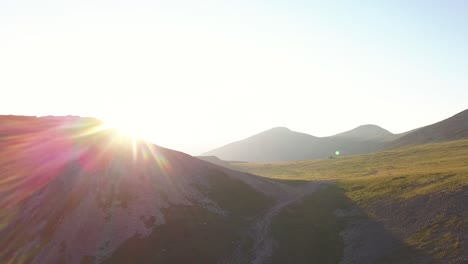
[(194, 75)]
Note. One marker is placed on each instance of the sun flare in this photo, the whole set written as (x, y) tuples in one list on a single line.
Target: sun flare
[(128, 127)]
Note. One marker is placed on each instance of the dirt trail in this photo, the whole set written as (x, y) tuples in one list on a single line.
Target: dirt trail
[(263, 242)]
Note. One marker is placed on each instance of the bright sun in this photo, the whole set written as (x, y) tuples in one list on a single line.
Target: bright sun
[(129, 127)]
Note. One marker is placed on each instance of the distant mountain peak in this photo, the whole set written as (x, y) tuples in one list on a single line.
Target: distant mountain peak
[(369, 126), (282, 132), (279, 129), (275, 132), (367, 131), (280, 144)]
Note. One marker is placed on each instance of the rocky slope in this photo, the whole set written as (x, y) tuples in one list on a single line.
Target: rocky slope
[(75, 192)]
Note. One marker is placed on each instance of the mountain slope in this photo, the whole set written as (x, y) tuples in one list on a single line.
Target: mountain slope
[(75, 192), (417, 197), (453, 128), (365, 132), (282, 144), (272, 145), (215, 160)]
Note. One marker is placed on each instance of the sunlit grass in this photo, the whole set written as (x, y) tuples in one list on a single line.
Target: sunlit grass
[(404, 172), (393, 176), (440, 244)]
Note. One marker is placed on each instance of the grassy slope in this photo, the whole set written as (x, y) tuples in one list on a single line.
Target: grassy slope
[(407, 171), (394, 177)]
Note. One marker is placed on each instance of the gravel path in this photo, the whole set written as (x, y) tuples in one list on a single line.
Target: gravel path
[(263, 242)]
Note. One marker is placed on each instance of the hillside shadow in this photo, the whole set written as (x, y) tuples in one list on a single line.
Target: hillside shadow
[(327, 227)]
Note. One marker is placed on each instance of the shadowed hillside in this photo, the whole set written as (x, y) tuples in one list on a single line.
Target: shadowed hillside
[(366, 132), (282, 144), (272, 145), (73, 191), (215, 160), (453, 128)]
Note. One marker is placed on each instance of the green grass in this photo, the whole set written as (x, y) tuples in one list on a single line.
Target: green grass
[(393, 176), (422, 158), (366, 191), (436, 238), (405, 172)]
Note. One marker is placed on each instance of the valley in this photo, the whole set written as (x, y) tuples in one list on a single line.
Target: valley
[(233, 132), (75, 191), (419, 194)]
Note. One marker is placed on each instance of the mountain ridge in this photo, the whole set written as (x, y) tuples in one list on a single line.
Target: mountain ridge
[(366, 131), (452, 128), (76, 192), (281, 144)]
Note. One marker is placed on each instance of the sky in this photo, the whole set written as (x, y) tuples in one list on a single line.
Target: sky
[(195, 75)]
